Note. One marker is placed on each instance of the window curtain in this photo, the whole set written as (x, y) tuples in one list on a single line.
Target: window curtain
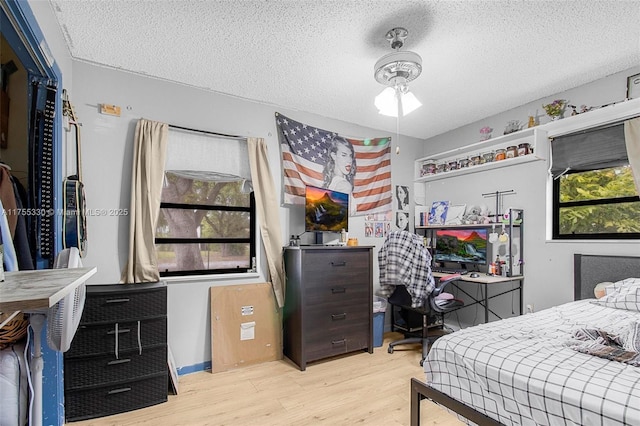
[(150, 148), (632, 141), (268, 213)]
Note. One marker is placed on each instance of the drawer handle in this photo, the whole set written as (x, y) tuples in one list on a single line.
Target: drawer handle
[(338, 290), (116, 391), (120, 331), (125, 300), (338, 316), (343, 263), (339, 342), (119, 361)]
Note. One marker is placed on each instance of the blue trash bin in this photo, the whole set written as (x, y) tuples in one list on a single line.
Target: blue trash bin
[(379, 308)]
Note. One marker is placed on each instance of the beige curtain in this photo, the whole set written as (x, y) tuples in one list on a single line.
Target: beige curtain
[(632, 140), (268, 213), (150, 148)]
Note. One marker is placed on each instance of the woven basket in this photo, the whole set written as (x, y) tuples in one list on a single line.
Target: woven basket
[(13, 331)]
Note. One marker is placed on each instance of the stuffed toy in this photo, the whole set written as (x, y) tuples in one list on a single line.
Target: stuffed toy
[(476, 215)]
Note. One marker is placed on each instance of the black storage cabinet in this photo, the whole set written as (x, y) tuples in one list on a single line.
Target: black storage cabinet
[(118, 358)]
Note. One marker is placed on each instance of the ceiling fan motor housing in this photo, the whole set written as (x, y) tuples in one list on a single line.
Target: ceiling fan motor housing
[(397, 68)]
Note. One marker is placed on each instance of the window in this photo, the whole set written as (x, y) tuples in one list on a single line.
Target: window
[(207, 220), (594, 195), (205, 226)]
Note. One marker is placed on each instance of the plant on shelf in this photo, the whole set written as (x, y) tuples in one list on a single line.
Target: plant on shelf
[(555, 109)]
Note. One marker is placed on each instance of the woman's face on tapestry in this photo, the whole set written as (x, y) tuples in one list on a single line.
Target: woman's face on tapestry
[(343, 159)]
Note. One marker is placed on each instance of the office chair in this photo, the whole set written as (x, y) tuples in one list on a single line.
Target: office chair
[(415, 322), (407, 281)]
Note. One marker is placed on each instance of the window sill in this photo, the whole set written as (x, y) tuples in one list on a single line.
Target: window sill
[(211, 277)]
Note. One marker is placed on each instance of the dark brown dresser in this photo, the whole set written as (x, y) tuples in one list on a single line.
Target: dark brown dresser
[(328, 304), (118, 358)]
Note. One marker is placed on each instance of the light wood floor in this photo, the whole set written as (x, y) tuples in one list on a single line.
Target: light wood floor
[(363, 388)]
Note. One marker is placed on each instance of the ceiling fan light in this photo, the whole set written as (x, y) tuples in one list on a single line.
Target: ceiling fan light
[(386, 102), (409, 103)]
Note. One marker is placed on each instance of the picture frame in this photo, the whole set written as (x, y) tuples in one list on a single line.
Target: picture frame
[(633, 86), (455, 214), (438, 212)]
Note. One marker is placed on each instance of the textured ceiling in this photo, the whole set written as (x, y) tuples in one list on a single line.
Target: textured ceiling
[(479, 57)]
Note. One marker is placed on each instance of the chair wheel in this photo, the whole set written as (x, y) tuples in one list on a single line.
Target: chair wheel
[(390, 349)]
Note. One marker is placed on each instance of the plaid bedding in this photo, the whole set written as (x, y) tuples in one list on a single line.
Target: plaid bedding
[(520, 371)]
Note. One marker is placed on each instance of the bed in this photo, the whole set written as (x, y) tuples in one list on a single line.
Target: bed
[(521, 371)]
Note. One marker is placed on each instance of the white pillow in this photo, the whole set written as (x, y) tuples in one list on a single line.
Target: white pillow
[(624, 294)]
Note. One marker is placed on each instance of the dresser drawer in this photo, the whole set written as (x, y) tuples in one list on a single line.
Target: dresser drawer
[(107, 400), (331, 293), (346, 267), (103, 370), (335, 314), (113, 306), (101, 339), (337, 342)]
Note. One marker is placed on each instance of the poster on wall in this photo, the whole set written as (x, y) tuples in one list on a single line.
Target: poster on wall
[(438, 212), (317, 157), (402, 198), (402, 221)]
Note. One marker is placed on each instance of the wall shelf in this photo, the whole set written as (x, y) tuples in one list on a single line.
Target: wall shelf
[(535, 137)]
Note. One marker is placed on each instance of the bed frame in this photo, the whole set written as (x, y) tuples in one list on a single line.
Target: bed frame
[(589, 270)]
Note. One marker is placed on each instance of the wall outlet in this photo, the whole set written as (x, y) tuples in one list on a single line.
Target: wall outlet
[(530, 308)]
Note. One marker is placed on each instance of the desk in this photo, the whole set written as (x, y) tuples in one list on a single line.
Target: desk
[(486, 281), (37, 290)]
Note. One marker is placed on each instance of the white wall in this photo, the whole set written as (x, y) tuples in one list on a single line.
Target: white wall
[(107, 156), (548, 264)]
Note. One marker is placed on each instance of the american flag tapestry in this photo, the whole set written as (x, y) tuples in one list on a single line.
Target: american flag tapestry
[(317, 157)]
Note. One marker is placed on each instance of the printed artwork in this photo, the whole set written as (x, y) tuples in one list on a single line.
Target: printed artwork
[(438, 212), (402, 221), (455, 214), (402, 198), (317, 157)]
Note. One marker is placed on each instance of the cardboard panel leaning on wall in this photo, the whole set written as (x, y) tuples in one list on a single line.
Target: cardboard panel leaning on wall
[(245, 326)]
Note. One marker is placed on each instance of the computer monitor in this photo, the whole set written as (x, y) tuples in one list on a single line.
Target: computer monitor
[(463, 246), (325, 210)]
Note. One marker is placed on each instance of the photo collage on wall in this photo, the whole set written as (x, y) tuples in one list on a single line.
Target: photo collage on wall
[(380, 224), (377, 225)]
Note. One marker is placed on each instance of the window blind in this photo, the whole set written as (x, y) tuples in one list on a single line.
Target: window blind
[(201, 152), (589, 149)]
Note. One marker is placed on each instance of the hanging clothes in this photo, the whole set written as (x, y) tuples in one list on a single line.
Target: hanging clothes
[(21, 236), (9, 253), (8, 198)]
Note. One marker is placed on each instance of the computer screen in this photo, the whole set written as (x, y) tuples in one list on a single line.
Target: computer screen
[(462, 246), (326, 210)]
